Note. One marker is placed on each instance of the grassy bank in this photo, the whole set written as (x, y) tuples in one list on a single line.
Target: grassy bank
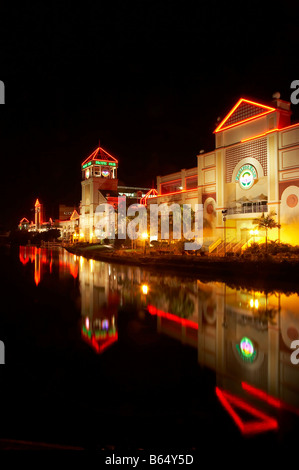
[(258, 273)]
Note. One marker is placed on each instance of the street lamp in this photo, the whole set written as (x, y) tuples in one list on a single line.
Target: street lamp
[(224, 212), (144, 236)]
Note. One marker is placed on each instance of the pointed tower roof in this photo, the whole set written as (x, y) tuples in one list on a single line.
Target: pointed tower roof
[(243, 111), (99, 154), (37, 203)]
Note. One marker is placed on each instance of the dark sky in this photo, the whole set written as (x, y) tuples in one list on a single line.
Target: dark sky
[(147, 78)]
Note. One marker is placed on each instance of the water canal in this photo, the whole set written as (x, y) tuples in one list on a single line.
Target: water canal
[(98, 354)]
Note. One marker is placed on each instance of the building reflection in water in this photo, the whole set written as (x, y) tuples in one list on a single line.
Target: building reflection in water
[(100, 299), (245, 336), (44, 259)]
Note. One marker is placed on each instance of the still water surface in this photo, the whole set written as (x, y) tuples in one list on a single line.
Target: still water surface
[(108, 355)]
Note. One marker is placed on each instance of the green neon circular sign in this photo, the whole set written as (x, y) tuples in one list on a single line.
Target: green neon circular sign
[(246, 176)]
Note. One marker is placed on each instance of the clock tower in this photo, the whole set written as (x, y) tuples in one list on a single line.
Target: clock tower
[(99, 174)]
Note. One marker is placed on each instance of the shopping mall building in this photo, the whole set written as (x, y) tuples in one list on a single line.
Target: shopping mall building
[(253, 169)]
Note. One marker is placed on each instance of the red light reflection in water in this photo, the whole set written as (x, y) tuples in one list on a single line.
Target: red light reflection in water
[(183, 321), (268, 398), (35, 255), (261, 424), (99, 345), (41, 257)]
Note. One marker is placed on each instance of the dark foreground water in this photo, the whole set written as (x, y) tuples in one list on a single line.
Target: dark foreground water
[(108, 356)]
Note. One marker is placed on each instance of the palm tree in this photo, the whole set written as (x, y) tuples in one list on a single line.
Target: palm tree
[(265, 223)]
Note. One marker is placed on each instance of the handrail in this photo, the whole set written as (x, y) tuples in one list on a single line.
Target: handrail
[(250, 209), (214, 245)]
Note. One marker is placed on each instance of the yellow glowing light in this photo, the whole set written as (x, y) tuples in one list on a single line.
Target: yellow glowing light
[(254, 232), (81, 260), (91, 265), (251, 303), (81, 235), (256, 303), (144, 289), (144, 235)]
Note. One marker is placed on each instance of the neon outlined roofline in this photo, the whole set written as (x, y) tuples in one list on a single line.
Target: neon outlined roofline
[(267, 110)]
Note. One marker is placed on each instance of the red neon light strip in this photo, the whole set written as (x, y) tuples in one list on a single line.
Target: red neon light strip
[(265, 422), (151, 193), (289, 127), (242, 100), (268, 398), (108, 342), (261, 395), (176, 192), (183, 321), (260, 135), (269, 132), (93, 155), (90, 156), (99, 348), (101, 148)]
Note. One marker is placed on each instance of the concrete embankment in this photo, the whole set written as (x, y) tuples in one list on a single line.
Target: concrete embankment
[(270, 274)]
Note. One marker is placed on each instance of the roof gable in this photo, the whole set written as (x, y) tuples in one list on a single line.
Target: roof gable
[(74, 215), (100, 154), (243, 111)]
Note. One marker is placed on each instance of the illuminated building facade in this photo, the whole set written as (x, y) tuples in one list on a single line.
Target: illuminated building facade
[(68, 222), (99, 173), (24, 224), (100, 186), (69, 227), (253, 169)]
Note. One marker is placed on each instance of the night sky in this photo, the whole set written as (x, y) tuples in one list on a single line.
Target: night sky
[(148, 79)]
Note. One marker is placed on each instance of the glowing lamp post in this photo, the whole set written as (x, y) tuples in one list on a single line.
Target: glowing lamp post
[(144, 237), (224, 212)]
